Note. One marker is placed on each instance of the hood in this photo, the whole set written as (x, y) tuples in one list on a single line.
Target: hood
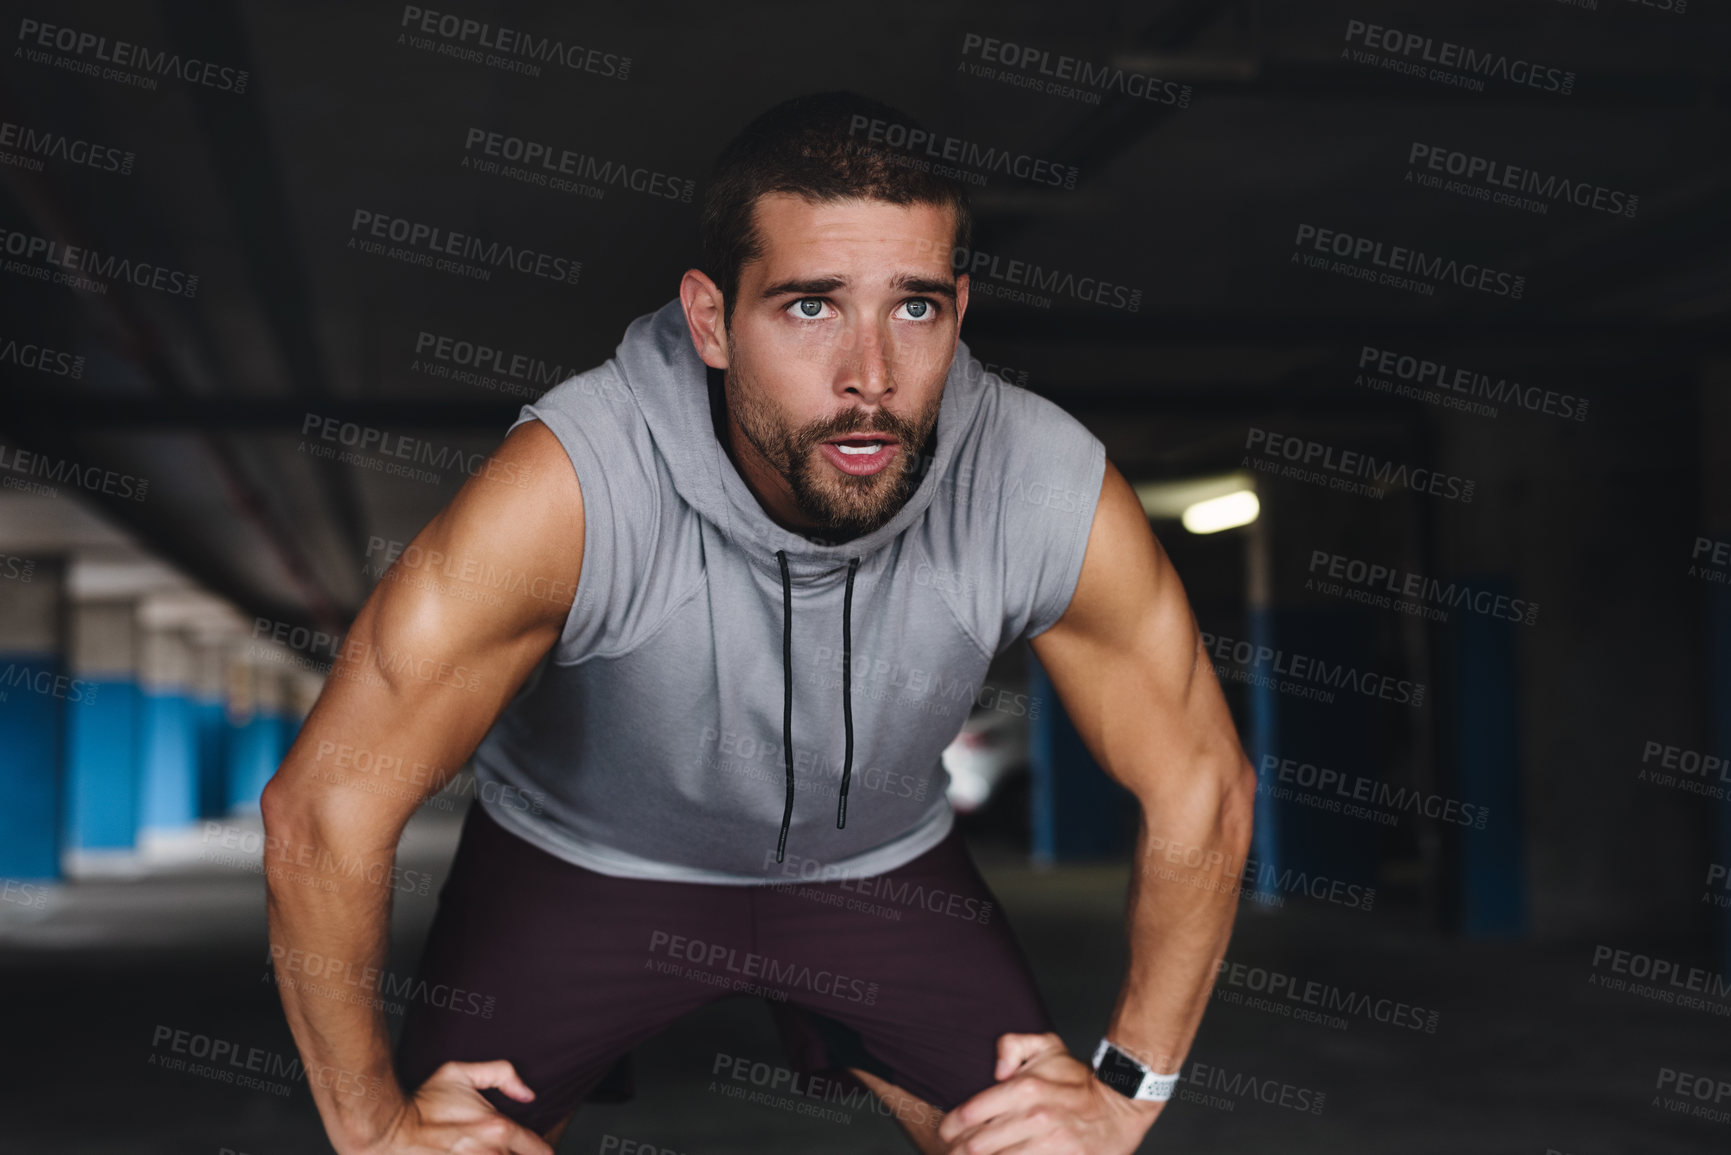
[(670, 384)]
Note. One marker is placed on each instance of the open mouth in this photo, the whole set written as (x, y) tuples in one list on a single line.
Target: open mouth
[(862, 455), (856, 446)]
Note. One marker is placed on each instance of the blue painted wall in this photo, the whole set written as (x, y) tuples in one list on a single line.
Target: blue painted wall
[(254, 750), (169, 755), (210, 727), (1078, 812), (1490, 884), (1719, 720), (102, 766), (30, 743)]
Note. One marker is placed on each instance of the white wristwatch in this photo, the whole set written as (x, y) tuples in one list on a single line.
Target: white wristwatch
[(1131, 1077)]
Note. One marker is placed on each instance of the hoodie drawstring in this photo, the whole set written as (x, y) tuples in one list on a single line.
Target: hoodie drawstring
[(846, 693), (787, 694)]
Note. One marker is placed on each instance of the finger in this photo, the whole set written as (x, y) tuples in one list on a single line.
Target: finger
[(1017, 1050), (522, 1141), (1016, 1132), (500, 1074), (996, 1100)]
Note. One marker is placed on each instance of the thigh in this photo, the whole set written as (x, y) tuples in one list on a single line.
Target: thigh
[(911, 975), (559, 969)]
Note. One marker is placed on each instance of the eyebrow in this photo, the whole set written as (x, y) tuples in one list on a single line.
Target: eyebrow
[(817, 286)]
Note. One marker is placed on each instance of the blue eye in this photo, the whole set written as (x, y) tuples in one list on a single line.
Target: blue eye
[(918, 309), (808, 307)]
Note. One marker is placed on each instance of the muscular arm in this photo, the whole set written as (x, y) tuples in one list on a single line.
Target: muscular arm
[(432, 658), (1127, 662)]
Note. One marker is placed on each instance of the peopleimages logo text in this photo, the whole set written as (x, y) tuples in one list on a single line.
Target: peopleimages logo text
[(124, 54), (49, 145), (1328, 997), (1448, 54), (548, 160), (77, 258), (1304, 668), (1353, 463), (1103, 77), (1378, 580), (432, 239), (94, 478), (982, 267), (1451, 379), (1414, 262), (966, 153), (511, 46), (1309, 776), (1499, 175)]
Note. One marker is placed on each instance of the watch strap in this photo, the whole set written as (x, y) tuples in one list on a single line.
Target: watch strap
[(1148, 1086)]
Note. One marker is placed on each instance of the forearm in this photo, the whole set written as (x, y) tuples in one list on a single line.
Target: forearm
[(1183, 899), (329, 931)]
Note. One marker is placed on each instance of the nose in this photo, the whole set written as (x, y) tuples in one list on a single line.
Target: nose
[(864, 371)]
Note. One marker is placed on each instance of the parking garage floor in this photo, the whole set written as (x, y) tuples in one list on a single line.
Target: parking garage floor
[(1527, 1054)]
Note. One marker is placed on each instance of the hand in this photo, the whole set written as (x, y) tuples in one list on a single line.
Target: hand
[(449, 1114), (1047, 1102)]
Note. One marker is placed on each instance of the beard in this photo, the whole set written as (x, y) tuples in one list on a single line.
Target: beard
[(837, 501)]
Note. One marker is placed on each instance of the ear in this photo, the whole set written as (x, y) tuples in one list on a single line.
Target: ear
[(705, 317)]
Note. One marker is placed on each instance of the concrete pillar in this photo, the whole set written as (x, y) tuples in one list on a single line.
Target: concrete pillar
[(302, 691), (256, 728), (102, 734), (209, 632), (209, 721), (1591, 522), (1706, 570), (1483, 666), (1262, 705), (1491, 892), (168, 744), (32, 713), (1078, 811)]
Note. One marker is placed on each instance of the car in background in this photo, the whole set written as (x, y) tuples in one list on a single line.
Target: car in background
[(991, 749)]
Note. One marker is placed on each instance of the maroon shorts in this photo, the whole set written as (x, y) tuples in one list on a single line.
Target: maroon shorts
[(911, 975)]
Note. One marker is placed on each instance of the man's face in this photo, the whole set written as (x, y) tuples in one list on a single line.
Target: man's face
[(841, 337)]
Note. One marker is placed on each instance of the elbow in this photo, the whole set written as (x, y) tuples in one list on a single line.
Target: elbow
[(1237, 806), (291, 818), (1214, 805), (277, 807)]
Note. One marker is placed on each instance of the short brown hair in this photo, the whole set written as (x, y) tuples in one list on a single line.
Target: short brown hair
[(811, 146)]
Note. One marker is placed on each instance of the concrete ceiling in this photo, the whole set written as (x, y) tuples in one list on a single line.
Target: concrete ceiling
[(206, 398)]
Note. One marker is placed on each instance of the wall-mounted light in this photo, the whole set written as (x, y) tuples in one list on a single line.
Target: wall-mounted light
[(1202, 504), (1228, 511)]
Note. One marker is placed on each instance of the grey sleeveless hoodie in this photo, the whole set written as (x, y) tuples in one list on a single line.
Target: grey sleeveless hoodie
[(731, 702)]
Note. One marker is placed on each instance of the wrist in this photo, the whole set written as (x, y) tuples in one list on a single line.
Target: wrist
[(1149, 1109), (1137, 1115), (356, 1130), (1129, 1074)]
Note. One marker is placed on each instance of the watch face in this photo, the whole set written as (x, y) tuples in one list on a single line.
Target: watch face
[(1120, 1073)]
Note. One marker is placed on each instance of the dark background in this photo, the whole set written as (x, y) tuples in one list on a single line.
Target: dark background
[(1604, 510)]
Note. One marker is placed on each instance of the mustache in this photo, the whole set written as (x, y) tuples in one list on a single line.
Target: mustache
[(857, 420)]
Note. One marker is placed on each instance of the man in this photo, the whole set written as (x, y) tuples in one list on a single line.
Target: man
[(786, 526)]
